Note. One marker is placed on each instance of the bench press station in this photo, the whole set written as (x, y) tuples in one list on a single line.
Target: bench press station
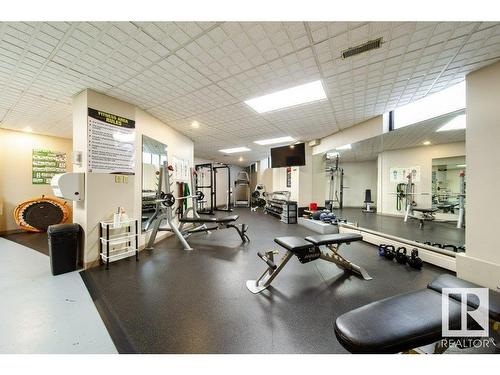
[(165, 206), (307, 250)]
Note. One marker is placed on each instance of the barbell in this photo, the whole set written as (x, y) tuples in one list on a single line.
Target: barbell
[(168, 199), (436, 195)]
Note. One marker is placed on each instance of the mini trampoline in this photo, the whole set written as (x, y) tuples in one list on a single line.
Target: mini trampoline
[(36, 215)]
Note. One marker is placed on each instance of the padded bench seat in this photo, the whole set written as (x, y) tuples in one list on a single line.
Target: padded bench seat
[(394, 324), (406, 321), (449, 281), (330, 239), (225, 219), (425, 210), (293, 243)]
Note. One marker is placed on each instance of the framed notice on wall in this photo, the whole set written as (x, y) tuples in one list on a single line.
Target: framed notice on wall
[(111, 143), (289, 177), (45, 165), (400, 174)]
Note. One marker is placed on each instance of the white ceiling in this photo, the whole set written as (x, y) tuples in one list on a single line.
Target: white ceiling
[(181, 72), (404, 138)]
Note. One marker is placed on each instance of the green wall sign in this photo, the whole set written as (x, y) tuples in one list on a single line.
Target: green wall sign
[(45, 165)]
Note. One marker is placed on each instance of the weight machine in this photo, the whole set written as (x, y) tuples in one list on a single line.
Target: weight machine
[(242, 182), (405, 192), (258, 198), (336, 186), (165, 212), (210, 186)]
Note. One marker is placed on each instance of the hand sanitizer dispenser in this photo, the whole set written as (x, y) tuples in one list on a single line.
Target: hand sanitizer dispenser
[(69, 186)]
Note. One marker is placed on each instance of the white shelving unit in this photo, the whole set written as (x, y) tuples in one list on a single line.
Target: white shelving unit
[(118, 241)]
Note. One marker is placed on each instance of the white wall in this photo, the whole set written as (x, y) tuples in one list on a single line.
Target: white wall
[(358, 176), (416, 156), (16, 150), (264, 174), (103, 195), (301, 189), (481, 262)]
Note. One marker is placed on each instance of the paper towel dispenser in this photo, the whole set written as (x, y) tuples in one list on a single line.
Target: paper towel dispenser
[(69, 186)]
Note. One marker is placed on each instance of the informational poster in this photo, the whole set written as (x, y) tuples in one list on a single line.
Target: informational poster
[(400, 174), (45, 165), (111, 143), (181, 169), (289, 177)]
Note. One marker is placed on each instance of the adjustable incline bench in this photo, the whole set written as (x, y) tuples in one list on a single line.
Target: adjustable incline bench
[(408, 321), (307, 250)]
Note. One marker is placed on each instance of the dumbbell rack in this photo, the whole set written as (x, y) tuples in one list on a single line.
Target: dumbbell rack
[(278, 204), (119, 245)]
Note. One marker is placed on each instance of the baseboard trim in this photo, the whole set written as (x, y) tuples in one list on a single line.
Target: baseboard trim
[(438, 257)]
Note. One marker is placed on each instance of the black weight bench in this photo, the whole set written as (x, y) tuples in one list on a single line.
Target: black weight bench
[(426, 214), (408, 321), (221, 223), (307, 250)]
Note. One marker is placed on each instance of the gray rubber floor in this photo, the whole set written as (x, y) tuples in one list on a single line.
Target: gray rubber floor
[(174, 301)]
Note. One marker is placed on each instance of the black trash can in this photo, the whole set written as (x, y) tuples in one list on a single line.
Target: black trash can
[(64, 242)]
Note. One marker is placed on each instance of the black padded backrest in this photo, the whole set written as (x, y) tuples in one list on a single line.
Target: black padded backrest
[(293, 243), (450, 281), (338, 238), (394, 324)]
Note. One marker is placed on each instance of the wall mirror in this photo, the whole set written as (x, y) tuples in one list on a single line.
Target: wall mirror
[(412, 187), (154, 154), (448, 185), (367, 182)]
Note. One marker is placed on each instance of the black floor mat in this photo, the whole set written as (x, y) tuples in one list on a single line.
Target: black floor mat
[(177, 301), (35, 241)]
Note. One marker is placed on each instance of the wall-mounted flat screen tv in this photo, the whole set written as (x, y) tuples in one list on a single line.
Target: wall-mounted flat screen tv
[(288, 156)]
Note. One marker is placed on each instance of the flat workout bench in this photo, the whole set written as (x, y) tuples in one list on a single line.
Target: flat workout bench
[(426, 214), (306, 250), (408, 321), (221, 223)]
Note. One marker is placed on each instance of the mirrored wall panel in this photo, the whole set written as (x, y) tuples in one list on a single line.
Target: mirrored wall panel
[(154, 154), (408, 182)]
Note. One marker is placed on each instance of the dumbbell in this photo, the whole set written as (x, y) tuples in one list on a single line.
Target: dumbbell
[(381, 250), (389, 252), (414, 260), (401, 256)]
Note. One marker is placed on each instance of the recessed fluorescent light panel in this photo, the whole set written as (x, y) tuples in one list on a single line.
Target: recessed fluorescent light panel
[(344, 147), (273, 141), (234, 150), (445, 101), (307, 93), (456, 124)]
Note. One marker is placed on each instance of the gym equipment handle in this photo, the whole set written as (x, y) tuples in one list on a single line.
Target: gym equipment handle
[(268, 261)]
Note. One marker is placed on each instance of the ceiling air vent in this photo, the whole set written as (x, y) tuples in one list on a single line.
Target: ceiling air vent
[(365, 47)]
